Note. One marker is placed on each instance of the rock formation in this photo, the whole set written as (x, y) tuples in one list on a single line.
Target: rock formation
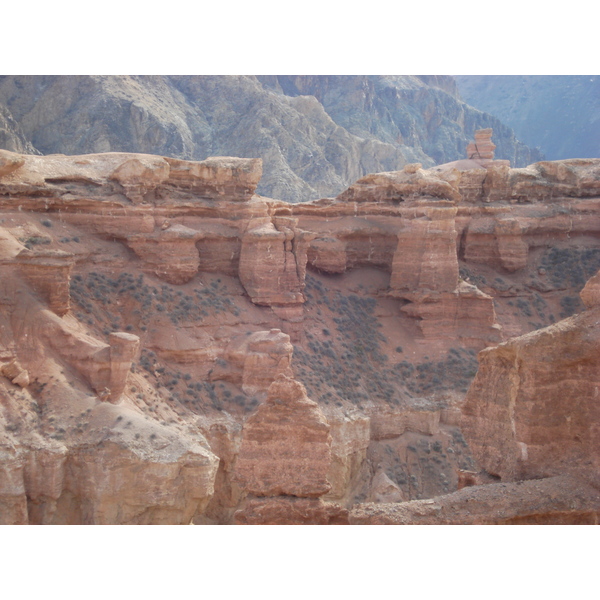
[(315, 135), (285, 457), (175, 348), (520, 433)]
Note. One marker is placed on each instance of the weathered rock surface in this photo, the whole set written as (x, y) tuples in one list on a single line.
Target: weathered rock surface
[(315, 135), (532, 410), (154, 355), (590, 294), (289, 510), (556, 500), (49, 273), (286, 445), (273, 262)]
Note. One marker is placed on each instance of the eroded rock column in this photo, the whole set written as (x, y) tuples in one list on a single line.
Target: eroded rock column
[(49, 274), (284, 460), (273, 262)]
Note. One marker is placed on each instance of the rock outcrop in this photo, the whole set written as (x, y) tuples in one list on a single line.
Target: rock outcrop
[(284, 460), (553, 501), (273, 262), (517, 432), (150, 308), (286, 445), (49, 273)]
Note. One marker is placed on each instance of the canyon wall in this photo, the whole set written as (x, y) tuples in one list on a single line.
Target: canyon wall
[(175, 348)]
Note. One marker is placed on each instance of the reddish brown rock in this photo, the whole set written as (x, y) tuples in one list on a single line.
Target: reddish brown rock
[(426, 258), (49, 273), (532, 410), (466, 314), (482, 149), (397, 186), (170, 254), (286, 445), (13, 370), (328, 254), (138, 176), (557, 500), (350, 438), (270, 270), (255, 360), (404, 235), (288, 510), (590, 294), (104, 366), (387, 424), (217, 177), (497, 241)]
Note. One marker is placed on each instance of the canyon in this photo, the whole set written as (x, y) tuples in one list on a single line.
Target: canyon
[(176, 348)]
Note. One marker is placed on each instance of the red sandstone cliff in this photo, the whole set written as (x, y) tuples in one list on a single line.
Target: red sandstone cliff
[(163, 329)]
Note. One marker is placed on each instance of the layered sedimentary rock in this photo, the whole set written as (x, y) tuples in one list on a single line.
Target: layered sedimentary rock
[(107, 483), (482, 149), (49, 273), (284, 460), (170, 254), (532, 410), (410, 183), (286, 445), (273, 262), (255, 360), (171, 361), (425, 260)]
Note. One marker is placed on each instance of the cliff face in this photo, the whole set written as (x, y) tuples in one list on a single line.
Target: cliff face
[(315, 135), (175, 348)]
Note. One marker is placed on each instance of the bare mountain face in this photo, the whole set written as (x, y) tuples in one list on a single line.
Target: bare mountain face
[(559, 114), (315, 134)]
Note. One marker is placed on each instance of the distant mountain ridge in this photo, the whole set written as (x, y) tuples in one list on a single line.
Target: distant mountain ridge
[(315, 134), (559, 114)]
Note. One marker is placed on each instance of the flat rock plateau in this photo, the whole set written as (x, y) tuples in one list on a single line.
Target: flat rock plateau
[(423, 347)]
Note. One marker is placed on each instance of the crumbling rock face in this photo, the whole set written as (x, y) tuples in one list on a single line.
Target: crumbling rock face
[(286, 445), (186, 298), (284, 461), (514, 429), (170, 254), (289, 510), (466, 314), (255, 360), (106, 484), (134, 177), (49, 273), (425, 260), (273, 262)]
